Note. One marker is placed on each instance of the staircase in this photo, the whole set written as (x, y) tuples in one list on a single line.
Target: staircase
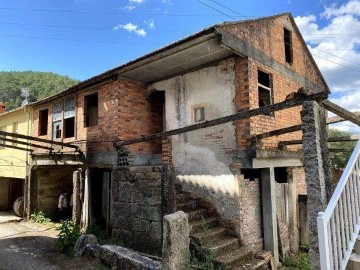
[(211, 240), (354, 262)]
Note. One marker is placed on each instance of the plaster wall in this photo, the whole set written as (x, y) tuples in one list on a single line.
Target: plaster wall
[(201, 159)]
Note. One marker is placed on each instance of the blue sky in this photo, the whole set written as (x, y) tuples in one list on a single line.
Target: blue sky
[(82, 38)]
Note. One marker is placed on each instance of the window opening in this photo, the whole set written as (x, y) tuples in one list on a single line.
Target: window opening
[(288, 46), (199, 114), (69, 117), (91, 110), (57, 120), (264, 89), (43, 122)]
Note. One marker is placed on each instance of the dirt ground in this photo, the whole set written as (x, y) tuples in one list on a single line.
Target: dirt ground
[(27, 245)]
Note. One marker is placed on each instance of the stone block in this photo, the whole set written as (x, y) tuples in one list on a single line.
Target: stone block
[(153, 200), (176, 241), (120, 258), (83, 242), (147, 244), (140, 225), (151, 213), (155, 230), (126, 236)]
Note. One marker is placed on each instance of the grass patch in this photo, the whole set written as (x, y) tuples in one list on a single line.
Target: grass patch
[(297, 262)]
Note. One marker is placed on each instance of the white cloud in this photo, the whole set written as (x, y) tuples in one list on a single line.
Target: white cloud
[(137, 1), (150, 23), (334, 44), (132, 28), (166, 2), (352, 7)]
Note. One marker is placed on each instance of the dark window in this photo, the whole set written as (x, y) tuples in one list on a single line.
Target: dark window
[(91, 110), (264, 89), (69, 127), (43, 122), (288, 46), (281, 175)]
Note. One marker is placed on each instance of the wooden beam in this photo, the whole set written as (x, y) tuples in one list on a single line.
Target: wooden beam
[(337, 119), (336, 109), (25, 143), (351, 138), (31, 138), (296, 101), (278, 132), (16, 147)]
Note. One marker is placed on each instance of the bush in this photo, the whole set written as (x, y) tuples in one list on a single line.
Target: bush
[(68, 234), (39, 218)]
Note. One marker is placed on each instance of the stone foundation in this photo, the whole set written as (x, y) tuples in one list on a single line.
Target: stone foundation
[(136, 200)]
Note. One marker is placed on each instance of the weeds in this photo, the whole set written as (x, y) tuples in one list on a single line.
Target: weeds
[(39, 218), (68, 234), (301, 262)]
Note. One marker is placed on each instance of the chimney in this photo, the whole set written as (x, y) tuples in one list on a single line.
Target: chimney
[(2, 107)]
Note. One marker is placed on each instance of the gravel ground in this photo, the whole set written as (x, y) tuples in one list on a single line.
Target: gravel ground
[(27, 245)]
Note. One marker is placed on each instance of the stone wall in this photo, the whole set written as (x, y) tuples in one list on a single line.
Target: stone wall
[(136, 216), (47, 184)]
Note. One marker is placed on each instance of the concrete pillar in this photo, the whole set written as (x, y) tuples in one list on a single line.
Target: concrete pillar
[(317, 170), (269, 211), (176, 241)]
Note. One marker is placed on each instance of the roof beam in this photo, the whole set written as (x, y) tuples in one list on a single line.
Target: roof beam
[(16, 147), (278, 132), (336, 109), (296, 101), (341, 150), (351, 138), (25, 143), (31, 138), (338, 119)]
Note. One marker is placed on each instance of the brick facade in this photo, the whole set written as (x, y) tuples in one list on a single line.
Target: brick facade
[(123, 108)]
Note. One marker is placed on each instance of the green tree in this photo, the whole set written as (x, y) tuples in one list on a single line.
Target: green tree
[(40, 84), (339, 160)]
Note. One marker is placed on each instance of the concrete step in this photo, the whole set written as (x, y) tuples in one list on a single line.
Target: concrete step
[(234, 257), (224, 244), (253, 264), (203, 224), (196, 214), (354, 262), (210, 234), (189, 205)]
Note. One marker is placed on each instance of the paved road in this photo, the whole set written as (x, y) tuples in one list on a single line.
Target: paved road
[(29, 246)]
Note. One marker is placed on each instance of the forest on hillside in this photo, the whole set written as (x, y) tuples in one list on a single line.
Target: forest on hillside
[(40, 85)]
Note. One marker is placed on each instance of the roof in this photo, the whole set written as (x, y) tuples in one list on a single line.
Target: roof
[(195, 50)]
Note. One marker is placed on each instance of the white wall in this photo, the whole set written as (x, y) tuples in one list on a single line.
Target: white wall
[(201, 158)]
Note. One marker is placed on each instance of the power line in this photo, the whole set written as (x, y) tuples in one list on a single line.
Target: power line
[(107, 12), (227, 15), (337, 56), (278, 39), (81, 27), (79, 40)]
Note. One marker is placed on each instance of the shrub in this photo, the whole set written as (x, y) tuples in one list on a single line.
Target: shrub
[(39, 218), (68, 234)]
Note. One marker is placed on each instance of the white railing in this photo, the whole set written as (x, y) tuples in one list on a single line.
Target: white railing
[(339, 225)]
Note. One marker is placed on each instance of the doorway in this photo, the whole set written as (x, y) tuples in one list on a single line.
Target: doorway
[(100, 181)]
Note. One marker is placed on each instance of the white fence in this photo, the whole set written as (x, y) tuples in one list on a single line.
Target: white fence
[(339, 225)]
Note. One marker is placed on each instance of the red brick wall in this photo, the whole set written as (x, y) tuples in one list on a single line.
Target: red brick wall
[(124, 112), (267, 35)]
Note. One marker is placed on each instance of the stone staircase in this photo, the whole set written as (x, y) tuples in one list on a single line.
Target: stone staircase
[(209, 239), (354, 262)]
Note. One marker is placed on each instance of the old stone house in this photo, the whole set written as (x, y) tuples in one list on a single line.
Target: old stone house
[(251, 186)]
